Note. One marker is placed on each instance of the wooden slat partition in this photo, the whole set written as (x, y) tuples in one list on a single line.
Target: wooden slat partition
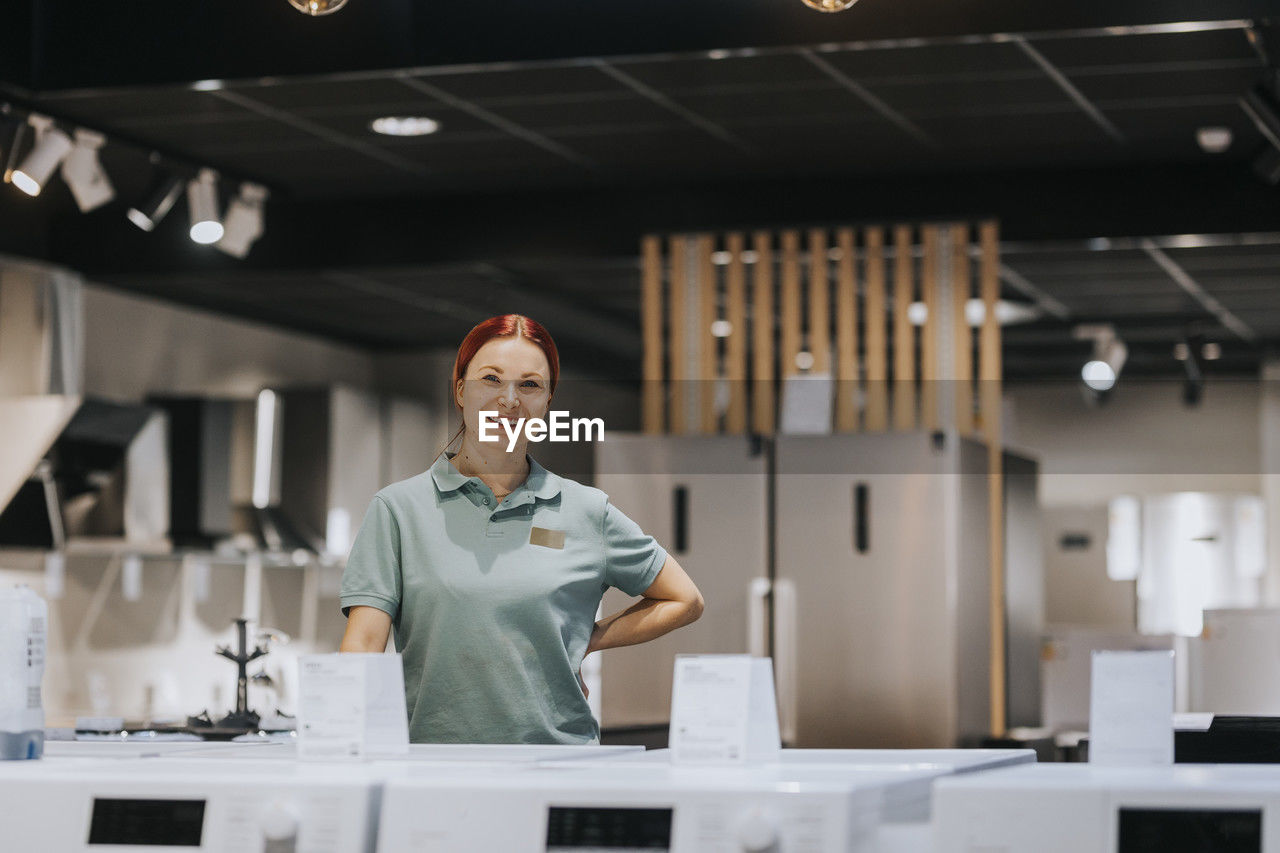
[(877, 416), (791, 332), (846, 333), (651, 330), (735, 357), (676, 329), (762, 394), (708, 343), (904, 345), (784, 310), (930, 374), (989, 378), (819, 302), (962, 358)]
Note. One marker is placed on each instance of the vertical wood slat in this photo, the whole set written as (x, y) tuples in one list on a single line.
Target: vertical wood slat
[(929, 369), (708, 344), (791, 318), (651, 330), (762, 406), (846, 334), (962, 358), (990, 369), (904, 354), (676, 328), (877, 416), (735, 364), (819, 302)]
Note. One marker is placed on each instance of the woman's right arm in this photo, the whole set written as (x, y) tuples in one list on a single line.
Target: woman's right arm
[(368, 630)]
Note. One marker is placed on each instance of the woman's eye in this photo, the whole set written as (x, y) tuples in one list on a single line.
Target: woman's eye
[(490, 378), (529, 383)]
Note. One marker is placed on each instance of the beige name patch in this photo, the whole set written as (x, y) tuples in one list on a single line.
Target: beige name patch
[(547, 538)]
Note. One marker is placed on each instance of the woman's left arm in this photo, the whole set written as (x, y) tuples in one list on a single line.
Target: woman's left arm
[(671, 601)]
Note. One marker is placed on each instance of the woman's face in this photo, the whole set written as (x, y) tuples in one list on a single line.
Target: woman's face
[(509, 376)]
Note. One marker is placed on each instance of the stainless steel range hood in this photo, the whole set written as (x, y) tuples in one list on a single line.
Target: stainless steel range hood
[(76, 468), (316, 465)]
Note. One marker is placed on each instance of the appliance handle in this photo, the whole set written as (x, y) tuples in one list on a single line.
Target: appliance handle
[(861, 516), (758, 590), (784, 661), (680, 506)]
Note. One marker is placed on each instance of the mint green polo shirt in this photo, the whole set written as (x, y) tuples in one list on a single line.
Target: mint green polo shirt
[(492, 603)]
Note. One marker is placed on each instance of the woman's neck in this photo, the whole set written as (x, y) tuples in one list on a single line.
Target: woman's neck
[(499, 470)]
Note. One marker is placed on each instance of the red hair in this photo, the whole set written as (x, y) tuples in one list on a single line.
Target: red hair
[(507, 326)]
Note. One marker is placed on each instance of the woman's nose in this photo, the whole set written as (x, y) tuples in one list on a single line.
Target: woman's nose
[(509, 397)]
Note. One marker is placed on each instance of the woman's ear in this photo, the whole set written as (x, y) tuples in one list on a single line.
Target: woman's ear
[(457, 394)]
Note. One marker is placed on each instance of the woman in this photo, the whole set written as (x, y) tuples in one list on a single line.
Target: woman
[(491, 569)]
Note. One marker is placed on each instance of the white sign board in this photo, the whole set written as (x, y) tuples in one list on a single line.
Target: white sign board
[(351, 706), (1131, 708), (723, 710)]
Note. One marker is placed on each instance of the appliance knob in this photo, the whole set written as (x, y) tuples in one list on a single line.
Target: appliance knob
[(279, 823), (756, 831)]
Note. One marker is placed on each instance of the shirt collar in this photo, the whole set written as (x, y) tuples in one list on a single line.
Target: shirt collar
[(540, 483)]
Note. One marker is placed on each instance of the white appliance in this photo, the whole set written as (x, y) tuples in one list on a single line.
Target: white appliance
[(439, 753), (1066, 667), (1067, 808), (1235, 663), (824, 801), (146, 805)]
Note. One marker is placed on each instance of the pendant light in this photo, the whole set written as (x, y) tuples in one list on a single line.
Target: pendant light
[(829, 5), (315, 8)]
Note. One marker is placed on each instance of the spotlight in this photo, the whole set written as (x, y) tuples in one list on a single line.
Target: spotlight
[(1102, 371), (202, 201), (12, 132), (243, 221), (83, 172), (1193, 368), (1098, 375), (162, 198), (51, 147)]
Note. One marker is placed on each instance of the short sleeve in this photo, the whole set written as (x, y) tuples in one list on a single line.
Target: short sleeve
[(372, 576), (633, 558)]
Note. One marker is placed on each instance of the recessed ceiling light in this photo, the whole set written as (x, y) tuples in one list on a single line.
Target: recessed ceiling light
[(1214, 140), (404, 125)]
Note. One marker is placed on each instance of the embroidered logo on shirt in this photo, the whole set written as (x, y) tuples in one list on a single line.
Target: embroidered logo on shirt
[(547, 538)]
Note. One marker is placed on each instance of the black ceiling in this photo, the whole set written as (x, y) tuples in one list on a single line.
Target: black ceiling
[(546, 171)]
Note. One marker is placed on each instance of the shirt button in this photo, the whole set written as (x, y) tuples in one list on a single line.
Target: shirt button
[(487, 501)]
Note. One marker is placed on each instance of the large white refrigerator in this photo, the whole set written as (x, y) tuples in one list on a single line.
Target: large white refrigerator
[(860, 562)]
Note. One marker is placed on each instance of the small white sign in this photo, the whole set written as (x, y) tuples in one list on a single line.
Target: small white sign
[(351, 706), (723, 710), (807, 401), (1131, 708)]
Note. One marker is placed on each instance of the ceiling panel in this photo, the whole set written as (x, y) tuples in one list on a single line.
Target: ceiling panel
[(623, 111), (692, 73), (943, 96), (1126, 50), (526, 82), (328, 94), (819, 99), (929, 60), (1227, 83)]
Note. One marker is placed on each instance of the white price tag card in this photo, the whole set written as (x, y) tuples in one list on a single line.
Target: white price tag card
[(351, 706), (807, 400), (723, 709), (1131, 708)]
